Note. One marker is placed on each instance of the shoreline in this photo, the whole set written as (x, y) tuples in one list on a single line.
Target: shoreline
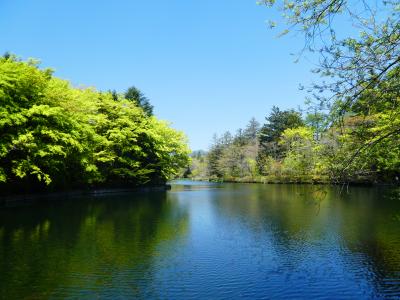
[(12, 198), (293, 181)]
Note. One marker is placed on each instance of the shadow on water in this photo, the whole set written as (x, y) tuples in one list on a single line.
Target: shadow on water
[(85, 246)]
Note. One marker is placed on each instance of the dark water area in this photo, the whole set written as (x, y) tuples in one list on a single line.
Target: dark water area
[(205, 241)]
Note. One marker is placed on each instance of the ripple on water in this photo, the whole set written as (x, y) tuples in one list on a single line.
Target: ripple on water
[(204, 241)]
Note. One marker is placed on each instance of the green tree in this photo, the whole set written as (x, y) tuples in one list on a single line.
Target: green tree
[(252, 130), (41, 141), (318, 121), (215, 154), (277, 122), (360, 71), (55, 136), (301, 157), (135, 95)]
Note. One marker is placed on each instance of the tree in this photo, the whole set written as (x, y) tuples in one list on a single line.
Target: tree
[(277, 122), (55, 136), (114, 95), (135, 95), (215, 154), (317, 121), (198, 166), (240, 138), (301, 155), (360, 72), (252, 130), (7, 55)]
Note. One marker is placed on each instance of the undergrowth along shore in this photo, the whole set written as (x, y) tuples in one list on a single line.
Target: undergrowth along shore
[(295, 180)]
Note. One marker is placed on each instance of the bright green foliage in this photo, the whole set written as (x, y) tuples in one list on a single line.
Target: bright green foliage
[(54, 135), (300, 157), (277, 122)]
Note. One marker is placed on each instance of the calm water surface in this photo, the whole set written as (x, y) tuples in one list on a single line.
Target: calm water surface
[(205, 241)]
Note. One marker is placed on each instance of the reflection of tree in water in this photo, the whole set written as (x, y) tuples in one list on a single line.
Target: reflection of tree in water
[(395, 195), (83, 243), (370, 227), (314, 195), (282, 214), (358, 226), (292, 207)]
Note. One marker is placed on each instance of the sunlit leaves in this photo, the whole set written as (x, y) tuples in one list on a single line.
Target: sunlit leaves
[(54, 134)]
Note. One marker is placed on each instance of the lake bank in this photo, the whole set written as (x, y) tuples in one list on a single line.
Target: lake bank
[(298, 180), (67, 194)]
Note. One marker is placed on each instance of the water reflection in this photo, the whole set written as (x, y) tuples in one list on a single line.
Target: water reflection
[(340, 242), (208, 241), (85, 246)]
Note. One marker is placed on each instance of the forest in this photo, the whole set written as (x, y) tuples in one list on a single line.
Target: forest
[(293, 148), (54, 136)]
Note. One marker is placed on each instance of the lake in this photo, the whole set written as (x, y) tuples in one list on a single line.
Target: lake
[(205, 241)]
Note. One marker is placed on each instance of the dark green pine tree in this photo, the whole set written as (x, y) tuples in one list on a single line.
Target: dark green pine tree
[(277, 122), (141, 100)]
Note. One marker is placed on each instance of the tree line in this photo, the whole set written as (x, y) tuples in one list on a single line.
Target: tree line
[(295, 147), (54, 136)]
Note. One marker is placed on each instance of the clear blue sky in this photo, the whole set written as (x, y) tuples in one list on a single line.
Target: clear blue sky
[(207, 66)]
